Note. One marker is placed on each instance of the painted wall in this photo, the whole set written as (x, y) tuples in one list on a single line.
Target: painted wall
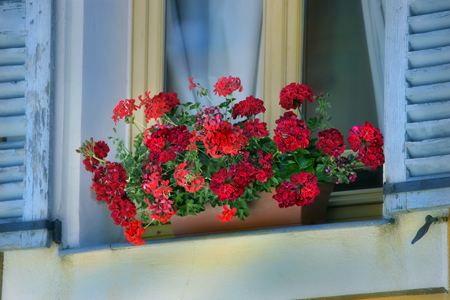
[(91, 77), (276, 266)]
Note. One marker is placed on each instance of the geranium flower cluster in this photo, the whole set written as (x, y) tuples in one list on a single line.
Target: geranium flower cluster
[(230, 184), (331, 141), (92, 152), (251, 106), (152, 182), (368, 142), (220, 137), (187, 179), (293, 95), (300, 191), (158, 105), (255, 128), (133, 233), (155, 107), (124, 109), (291, 133), (226, 86), (164, 141), (109, 183)]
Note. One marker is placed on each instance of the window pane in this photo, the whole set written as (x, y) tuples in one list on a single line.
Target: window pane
[(209, 39), (337, 62)]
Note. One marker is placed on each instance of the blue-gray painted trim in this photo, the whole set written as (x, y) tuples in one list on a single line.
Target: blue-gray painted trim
[(121, 246), (418, 185)]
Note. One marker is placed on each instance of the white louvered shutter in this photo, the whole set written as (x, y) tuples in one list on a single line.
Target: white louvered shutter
[(417, 105), (25, 31)]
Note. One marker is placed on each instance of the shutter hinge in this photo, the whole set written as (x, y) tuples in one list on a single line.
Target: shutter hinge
[(417, 185), (53, 226)]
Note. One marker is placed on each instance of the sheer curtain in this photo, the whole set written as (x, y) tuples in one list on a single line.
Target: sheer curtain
[(373, 13), (209, 39)]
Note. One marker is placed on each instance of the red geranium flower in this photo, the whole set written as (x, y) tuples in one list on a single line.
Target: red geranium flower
[(293, 95), (192, 84), (368, 142), (227, 214), (133, 233), (254, 128), (251, 106), (124, 109), (331, 141), (158, 105), (301, 191), (291, 133), (226, 86)]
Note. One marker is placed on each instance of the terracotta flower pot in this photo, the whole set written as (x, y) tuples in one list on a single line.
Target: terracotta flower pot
[(264, 213)]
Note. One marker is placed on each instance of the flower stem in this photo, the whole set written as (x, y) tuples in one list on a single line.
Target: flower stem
[(148, 224), (210, 100), (300, 112), (139, 124)]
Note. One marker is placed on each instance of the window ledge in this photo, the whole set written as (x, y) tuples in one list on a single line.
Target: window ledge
[(118, 246)]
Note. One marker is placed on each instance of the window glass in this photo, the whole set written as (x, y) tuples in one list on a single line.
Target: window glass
[(337, 62), (209, 39)]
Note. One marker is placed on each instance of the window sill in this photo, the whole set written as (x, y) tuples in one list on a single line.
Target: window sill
[(232, 234)]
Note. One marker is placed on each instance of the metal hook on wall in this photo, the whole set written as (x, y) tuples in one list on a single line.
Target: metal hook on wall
[(424, 229)]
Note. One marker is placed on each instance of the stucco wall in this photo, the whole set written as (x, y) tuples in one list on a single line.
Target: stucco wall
[(276, 266)]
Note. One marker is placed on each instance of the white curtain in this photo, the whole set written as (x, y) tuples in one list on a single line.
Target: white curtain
[(373, 13), (209, 39)]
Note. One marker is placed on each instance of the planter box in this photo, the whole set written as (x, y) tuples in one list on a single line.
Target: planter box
[(264, 213)]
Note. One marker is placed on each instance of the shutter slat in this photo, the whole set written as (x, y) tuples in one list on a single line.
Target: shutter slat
[(422, 7), (429, 58), (14, 107), (428, 93), (11, 209), (12, 16), (428, 165), (11, 174), (13, 126), (12, 73), (12, 39), (9, 158), (12, 145), (12, 57), (429, 40), (426, 148), (11, 191), (12, 90), (428, 111), (428, 75), (421, 131), (430, 22)]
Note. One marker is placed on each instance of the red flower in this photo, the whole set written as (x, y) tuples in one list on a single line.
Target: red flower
[(226, 86), (293, 95), (164, 141), (185, 178), (158, 105), (220, 137), (254, 128), (301, 191), (251, 106), (89, 149), (331, 141), (162, 209), (291, 133), (109, 181), (133, 233), (227, 214), (265, 161), (192, 84), (230, 185), (368, 141), (124, 109)]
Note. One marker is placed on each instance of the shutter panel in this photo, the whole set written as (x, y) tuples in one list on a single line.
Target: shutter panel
[(24, 121), (425, 111)]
